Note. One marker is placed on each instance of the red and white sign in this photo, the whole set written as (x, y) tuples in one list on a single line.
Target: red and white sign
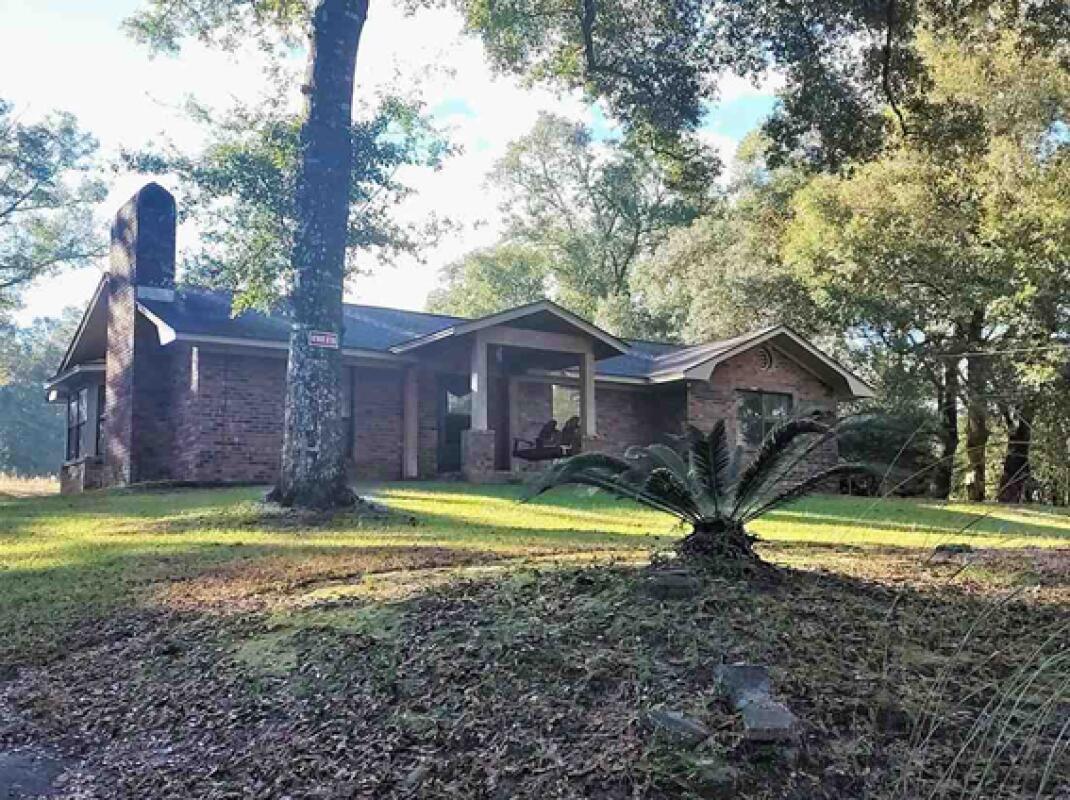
[(327, 339)]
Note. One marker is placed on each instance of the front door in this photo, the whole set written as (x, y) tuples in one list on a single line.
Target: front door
[(455, 416)]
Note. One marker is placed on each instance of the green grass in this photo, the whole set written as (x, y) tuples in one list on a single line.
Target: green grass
[(65, 561)]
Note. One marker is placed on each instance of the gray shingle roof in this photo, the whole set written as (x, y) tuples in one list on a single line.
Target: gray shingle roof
[(206, 313)]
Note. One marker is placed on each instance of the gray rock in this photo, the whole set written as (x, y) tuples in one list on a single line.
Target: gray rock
[(24, 775), (747, 687), (714, 779), (742, 681), (676, 727), (672, 585), (416, 776), (768, 721)]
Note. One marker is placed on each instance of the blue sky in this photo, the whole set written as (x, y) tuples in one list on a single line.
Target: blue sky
[(72, 55)]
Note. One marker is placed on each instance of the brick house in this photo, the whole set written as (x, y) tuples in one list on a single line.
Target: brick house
[(162, 383)]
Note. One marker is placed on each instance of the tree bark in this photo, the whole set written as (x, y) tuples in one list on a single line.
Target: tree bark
[(313, 452), (977, 409), (948, 408), (1016, 469)]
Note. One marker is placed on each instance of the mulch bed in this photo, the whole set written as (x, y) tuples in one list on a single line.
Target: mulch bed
[(534, 684)]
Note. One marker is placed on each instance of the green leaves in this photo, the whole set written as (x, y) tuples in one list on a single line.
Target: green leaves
[(163, 24), (700, 489), (240, 189), (48, 188)]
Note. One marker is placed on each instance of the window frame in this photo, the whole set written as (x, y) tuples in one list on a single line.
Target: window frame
[(77, 417), (102, 396), (767, 419)]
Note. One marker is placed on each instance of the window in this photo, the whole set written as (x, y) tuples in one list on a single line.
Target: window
[(566, 403), (77, 413), (459, 404), (760, 412), (101, 416)]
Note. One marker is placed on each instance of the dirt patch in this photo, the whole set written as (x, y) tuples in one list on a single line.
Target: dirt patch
[(257, 582)]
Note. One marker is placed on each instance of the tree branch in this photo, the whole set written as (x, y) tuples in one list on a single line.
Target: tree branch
[(886, 67)]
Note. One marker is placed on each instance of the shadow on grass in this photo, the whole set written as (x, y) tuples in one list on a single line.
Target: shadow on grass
[(532, 683)]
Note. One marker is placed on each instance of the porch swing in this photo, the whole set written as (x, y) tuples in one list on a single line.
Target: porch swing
[(550, 443)]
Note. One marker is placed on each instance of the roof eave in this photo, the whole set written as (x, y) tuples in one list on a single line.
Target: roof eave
[(504, 317), (72, 345), (857, 388)]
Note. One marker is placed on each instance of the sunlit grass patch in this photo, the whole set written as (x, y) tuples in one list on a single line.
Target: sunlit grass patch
[(12, 485), (65, 561)]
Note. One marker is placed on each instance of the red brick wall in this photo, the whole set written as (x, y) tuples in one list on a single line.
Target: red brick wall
[(623, 418), (137, 428), (719, 397), (378, 403), (153, 439), (228, 416), (629, 416), (119, 382), (427, 437)]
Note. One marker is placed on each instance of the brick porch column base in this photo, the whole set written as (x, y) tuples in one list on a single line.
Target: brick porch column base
[(592, 444), (477, 455)]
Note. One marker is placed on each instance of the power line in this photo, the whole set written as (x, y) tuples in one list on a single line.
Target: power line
[(1014, 351)]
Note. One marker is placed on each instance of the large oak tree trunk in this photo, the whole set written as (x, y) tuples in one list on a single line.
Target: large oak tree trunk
[(977, 409), (313, 451), (948, 408), (1016, 471)]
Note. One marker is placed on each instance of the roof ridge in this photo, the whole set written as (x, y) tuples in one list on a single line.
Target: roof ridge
[(406, 311)]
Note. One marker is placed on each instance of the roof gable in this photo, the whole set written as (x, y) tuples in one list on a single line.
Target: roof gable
[(543, 315), (90, 340)]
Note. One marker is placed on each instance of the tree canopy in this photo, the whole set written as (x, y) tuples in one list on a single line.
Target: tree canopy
[(31, 430), (582, 211), (47, 192), (240, 191), (955, 245), (658, 63)]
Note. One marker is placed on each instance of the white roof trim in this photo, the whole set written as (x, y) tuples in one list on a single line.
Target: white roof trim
[(504, 317), (168, 335), (704, 369), (572, 376), (77, 369), (82, 323)]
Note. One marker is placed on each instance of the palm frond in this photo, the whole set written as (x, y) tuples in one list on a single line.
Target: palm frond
[(665, 457), (805, 487), (719, 459), (667, 488), (772, 451), (567, 470)]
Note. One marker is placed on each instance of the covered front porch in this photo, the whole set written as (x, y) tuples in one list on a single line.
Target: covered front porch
[(498, 381)]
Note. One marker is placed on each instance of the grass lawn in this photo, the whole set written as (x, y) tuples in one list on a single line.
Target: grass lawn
[(141, 612)]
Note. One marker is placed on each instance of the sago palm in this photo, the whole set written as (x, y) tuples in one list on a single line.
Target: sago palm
[(698, 482)]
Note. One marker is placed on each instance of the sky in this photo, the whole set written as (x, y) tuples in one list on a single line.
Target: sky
[(72, 55)]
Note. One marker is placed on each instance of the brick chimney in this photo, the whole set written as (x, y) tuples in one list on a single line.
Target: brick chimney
[(142, 268), (143, 243)]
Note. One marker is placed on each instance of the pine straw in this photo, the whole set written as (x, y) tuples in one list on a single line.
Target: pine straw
[(532, 684)]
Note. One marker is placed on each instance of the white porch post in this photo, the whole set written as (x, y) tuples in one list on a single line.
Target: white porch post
[(410, 467), (480, 385), (588, 412)]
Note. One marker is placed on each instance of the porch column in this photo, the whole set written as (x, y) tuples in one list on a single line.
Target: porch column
[(480, 384), (588, 413), (410, 464)]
